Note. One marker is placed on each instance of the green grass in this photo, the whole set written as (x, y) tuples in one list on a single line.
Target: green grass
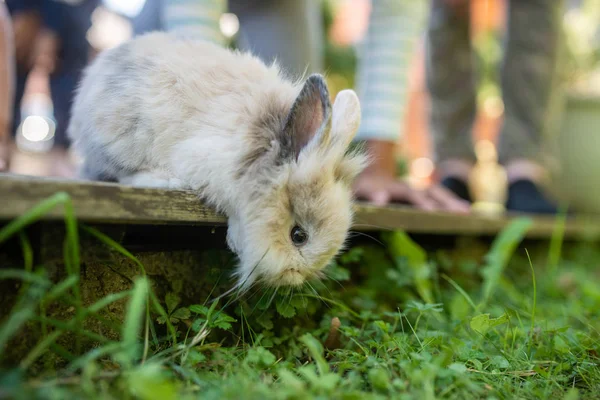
[(398, 323)]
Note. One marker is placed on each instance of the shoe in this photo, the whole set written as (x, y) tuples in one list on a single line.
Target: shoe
[(458, 187), (524, 196)]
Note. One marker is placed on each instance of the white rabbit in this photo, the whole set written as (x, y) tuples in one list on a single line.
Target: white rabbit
[(166, 111)]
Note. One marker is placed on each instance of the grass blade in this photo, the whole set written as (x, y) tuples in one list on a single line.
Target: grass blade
[(40, 348), (24, 276), (111, 348), (133, 322), (18, 224), (500, 254), (106, 300), (72, 327), (60, 288), (27, 251), (402, 246), (460, 290), (114, 245), (534, 306), (22, 312), (556, 241)]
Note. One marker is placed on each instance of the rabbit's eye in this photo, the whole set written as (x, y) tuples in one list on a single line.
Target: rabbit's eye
[(299, 236)]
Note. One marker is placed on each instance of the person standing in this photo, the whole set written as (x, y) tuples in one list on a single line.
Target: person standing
[(531, 98)]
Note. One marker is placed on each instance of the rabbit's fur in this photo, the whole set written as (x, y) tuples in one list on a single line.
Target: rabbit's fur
[(166, 111)]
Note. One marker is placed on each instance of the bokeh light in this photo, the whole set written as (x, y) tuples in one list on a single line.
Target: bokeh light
[(229, 24), (108, 29), (36, 129), (422, 168)]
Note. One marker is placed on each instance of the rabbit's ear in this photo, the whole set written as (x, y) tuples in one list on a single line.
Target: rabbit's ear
[(309, 120), (346, 121), (344, 125)]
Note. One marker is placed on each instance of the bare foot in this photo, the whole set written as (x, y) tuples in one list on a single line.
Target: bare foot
[(381, 189), (521, 169), (379, 185)]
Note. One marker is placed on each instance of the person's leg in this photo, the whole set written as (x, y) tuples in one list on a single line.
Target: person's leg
[(451, 84), (63, 86), (289, 31), (20, 80), (382, 82), (384, 60), (149, 19), (529, 77), (528, 73), (7, 85)]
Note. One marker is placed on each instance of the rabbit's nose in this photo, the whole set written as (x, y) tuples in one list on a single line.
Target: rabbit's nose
[(291, 277)]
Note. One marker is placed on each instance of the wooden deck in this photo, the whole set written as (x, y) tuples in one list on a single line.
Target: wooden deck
[(115, 204)]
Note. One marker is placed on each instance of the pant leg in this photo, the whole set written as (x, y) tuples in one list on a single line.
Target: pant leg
[(63, 86), (149, 19), (529, 77), (383, 66), (21, 79), (450, 81), (290, 31)]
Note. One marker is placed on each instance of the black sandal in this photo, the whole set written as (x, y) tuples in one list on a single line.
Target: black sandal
[(524, 196), (458, 187)]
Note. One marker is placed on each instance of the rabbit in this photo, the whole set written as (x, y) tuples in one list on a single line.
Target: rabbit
[(273, 155)]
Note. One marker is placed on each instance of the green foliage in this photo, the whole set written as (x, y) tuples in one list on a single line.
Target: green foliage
[(502, 250), (406, 331), (582, 44), (403, 249), (212, 320), (483, 323), (133, 322)]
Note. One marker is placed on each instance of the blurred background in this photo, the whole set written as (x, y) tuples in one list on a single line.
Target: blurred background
[(111, 22)]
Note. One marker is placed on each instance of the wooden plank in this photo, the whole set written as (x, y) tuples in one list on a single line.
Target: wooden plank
[(105, 202), (415, 221), (112, 203)]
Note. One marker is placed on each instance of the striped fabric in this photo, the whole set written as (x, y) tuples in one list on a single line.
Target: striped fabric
[(195, 17), (385, 55)]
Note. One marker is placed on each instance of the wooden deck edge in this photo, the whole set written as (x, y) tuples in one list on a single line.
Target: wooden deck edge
[(110, 203)]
